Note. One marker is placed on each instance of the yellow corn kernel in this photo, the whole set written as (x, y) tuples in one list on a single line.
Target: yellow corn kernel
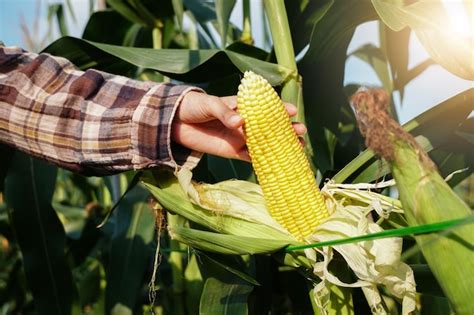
[(278, 159)]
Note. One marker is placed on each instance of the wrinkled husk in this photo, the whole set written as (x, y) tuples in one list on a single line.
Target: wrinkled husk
[(237, 216), (373, 262), (227, 227)]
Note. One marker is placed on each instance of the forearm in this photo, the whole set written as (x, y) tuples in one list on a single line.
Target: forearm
[(89, 122)]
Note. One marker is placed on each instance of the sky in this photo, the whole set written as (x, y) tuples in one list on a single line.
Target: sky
[(430, 88), (12, 11)]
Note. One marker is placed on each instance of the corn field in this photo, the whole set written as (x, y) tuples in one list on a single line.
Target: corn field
[(370, 216)]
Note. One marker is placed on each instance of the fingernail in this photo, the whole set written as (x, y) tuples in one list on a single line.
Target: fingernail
[(234, 120), (304, 129)]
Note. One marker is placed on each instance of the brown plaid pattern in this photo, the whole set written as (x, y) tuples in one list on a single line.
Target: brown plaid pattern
[(90, 122)]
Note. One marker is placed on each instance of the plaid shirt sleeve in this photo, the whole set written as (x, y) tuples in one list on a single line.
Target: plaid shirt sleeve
[(89, 122)]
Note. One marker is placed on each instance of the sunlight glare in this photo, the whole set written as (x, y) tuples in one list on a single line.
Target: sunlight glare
[(459, 17)]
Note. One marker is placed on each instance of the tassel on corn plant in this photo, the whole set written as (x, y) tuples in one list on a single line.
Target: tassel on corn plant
[(282, 168), (425, 196)]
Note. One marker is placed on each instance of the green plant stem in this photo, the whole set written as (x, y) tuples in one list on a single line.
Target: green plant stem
[(157, 37), (353, 166), (193, 33), (383, 30), (247, 25), (283, 45), (292, 90), (177, 269)]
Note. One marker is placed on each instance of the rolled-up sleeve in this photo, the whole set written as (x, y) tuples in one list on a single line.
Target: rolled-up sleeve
[(90, 122)]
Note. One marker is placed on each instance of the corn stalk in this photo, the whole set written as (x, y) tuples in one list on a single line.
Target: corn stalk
[(292, 89), (246, 36)]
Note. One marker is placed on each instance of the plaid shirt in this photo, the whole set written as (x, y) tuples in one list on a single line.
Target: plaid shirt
[(90, 122)]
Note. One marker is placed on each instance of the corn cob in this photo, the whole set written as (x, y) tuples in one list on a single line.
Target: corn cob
[(425, 196), (283, 171)]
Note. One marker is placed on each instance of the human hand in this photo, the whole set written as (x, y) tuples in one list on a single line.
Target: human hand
[(211, 124)]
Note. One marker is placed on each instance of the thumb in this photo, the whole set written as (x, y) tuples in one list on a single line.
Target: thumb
[(230, 118)]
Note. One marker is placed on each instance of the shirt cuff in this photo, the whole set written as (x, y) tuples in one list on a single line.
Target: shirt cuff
[(151, 129)]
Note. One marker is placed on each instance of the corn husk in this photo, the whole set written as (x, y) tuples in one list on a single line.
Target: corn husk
[(426, 198), (229, 229), (373, 262), (235, 198), (237, 221)]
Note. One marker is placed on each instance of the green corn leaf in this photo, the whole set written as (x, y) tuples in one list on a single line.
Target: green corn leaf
[(227, 296), (178, 8), (6, 154), (375, 57), (322, 70), (70, 9), (302, 17), (130, 252), (425, 280), (223, 10), (133, 182), (232, 264), (57, 10), (435, 305), (395, 46), (88, 277), (180, 64), (29, 189), (133, 13), (428, 19), (202, 10), (108, 27), (193, 285)]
